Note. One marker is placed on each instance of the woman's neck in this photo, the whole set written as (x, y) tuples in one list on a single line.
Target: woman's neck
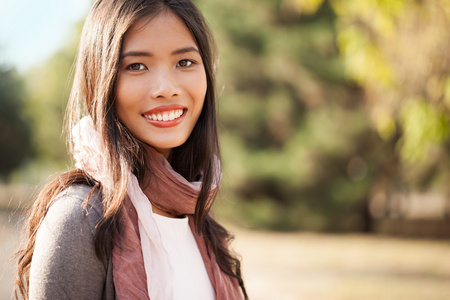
[(161, 212)]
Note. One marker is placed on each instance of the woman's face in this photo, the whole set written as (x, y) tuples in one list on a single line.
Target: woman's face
[(161, 83)]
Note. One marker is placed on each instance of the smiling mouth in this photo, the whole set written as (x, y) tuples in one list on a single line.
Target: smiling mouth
[(166, 115)]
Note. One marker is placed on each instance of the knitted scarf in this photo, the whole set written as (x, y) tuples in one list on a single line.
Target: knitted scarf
[(141, 268)]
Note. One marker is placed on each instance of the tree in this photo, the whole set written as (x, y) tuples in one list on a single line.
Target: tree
[(297, 145), (326, 103), (15, 135), (47, 92), (398, 53)]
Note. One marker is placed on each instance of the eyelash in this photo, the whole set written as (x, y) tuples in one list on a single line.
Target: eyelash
[(143, 67), (190, 62)]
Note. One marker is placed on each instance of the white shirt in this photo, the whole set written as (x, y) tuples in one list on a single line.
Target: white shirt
[(191, 281)]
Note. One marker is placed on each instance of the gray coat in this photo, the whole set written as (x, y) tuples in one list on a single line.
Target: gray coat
[(64, 264)]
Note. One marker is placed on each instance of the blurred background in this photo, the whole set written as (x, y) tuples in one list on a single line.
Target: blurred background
[(335, 132)]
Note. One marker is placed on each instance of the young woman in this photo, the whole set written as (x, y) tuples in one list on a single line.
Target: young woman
[(131, 220)]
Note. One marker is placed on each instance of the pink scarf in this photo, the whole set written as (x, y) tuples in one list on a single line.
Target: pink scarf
[(140, 253)]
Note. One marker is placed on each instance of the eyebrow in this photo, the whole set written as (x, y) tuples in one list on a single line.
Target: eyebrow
[(149, 54), (185, 50), (137, 53)]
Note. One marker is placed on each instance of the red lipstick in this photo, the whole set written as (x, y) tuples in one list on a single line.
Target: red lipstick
[(165, 115)]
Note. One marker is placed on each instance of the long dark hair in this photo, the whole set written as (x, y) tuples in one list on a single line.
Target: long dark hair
[(93, 93)]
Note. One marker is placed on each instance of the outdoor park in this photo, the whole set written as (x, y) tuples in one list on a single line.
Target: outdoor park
[(335, 134)]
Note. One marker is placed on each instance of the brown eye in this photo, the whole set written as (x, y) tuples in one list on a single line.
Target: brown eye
[(184, 63), (136, 67)]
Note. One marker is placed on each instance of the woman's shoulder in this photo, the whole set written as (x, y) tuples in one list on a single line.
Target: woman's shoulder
[(69, 208), (65, 264)]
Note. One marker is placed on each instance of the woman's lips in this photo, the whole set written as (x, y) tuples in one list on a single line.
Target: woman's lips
[(165, 115)]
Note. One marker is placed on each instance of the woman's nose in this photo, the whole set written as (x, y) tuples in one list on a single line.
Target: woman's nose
[(164, 85)]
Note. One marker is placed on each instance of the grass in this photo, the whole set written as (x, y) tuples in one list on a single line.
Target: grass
[(342, 267)]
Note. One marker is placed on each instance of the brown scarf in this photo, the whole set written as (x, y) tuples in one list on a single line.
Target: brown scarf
[(170, 192)]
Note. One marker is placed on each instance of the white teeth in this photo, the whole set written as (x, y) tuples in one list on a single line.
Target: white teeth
[(166, 116)]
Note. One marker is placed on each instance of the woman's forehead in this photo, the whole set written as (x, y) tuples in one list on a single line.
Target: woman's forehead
[(163, 30)]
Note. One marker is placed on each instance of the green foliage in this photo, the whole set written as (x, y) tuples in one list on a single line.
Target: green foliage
[(397, 51), (299, 138), (15, 128), (289, 118), (47, 89), (425, 126)]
